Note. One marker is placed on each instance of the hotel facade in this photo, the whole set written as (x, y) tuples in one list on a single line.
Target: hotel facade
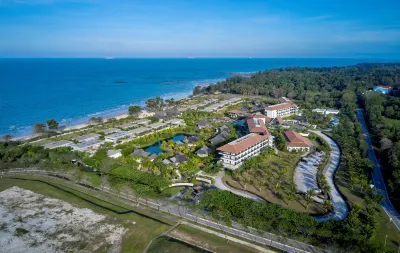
[(236, 152), (281, 110)]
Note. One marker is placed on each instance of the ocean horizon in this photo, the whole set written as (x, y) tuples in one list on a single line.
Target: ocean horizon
[(72, 90)]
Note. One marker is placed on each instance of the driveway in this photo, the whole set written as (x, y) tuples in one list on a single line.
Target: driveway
[(340, 207), (377, 175), (220, 185)]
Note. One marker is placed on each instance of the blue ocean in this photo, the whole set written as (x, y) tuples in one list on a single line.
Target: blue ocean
[(73, 90)]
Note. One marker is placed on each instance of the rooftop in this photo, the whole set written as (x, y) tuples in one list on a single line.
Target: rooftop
[(57, 144), (109, 131), (296, 140), (87, 136), (243, 143), (140, 153), (280, 106)]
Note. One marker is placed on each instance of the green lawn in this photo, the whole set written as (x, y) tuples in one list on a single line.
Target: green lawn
[(146, 227), (385, 227), (267, 188), (208, 241), (167, 244)]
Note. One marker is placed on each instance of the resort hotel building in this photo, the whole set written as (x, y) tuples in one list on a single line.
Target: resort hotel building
[(282, 110), (236, 152), (296, 142)]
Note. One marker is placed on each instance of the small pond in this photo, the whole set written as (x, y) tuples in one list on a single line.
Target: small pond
[(155, 148)]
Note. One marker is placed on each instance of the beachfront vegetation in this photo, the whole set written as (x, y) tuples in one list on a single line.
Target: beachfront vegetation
[(52, 124), (6, 137), (155, 104), (39, 128), (134, 110)]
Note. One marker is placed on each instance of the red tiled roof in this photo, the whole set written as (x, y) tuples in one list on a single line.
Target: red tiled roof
[(261, 116), (256, 125), (280, 106), (296, 140), (237, 112), (237, 147), (279, 119)]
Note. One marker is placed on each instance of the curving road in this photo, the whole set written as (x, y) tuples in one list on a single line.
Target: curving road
[(220, 185), (340, 207), (377, 175)]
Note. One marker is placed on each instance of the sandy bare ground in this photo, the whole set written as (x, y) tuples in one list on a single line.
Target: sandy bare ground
[(31, 222)]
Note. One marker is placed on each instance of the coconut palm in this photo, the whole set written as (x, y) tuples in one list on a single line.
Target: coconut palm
[(327, 205), (308, 197)]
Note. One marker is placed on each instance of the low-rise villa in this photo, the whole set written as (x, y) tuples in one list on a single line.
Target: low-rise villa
[(87, 137), (296, 142), (236, 152), (58, 144)]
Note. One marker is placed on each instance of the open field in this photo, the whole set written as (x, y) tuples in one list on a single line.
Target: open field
[(34, 222), (385, 227), (263, 181), (166, 244), (140, 229), (141, 225), (208, 241)]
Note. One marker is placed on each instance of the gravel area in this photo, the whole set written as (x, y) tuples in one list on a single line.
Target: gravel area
[(31, 222)]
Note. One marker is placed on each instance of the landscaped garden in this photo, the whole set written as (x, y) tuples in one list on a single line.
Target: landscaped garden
[(270, 176)]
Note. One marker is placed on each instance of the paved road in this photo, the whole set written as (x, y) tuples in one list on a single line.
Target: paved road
[(220, 185), (268, 239), (377, 175), (340, 208)]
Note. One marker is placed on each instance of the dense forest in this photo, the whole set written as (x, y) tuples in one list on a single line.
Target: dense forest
[(330, 87), (383, 114)]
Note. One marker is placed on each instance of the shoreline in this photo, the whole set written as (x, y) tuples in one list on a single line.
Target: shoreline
[(119, 112)]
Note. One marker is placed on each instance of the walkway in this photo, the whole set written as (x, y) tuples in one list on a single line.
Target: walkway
[(377, 175), (340, 207), (220, 185)]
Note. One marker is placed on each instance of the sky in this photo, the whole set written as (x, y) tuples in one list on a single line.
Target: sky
[(200, 28)]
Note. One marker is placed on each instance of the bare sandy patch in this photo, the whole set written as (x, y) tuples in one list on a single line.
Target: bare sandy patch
[(31, 222)]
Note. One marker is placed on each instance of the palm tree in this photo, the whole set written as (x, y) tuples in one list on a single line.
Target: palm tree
[(327, 205), (326, 188), (277, 188), (309, 195)]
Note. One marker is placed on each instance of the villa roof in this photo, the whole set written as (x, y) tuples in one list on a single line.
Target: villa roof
[(140, 153), (280, 106), (243, 143), (296, 140), (179, 159), (256, 125), (203, 151)]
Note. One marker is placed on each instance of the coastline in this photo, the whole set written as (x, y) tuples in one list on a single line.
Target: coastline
[(120, 112)]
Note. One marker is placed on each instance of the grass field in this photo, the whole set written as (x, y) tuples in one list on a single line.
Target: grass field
[(271, 165), (165, 244), (208, 241), (141, 228), (385, 227), (143, 224)]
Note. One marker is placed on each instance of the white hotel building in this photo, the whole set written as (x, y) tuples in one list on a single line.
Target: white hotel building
[(234, 153), (281, 110)]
